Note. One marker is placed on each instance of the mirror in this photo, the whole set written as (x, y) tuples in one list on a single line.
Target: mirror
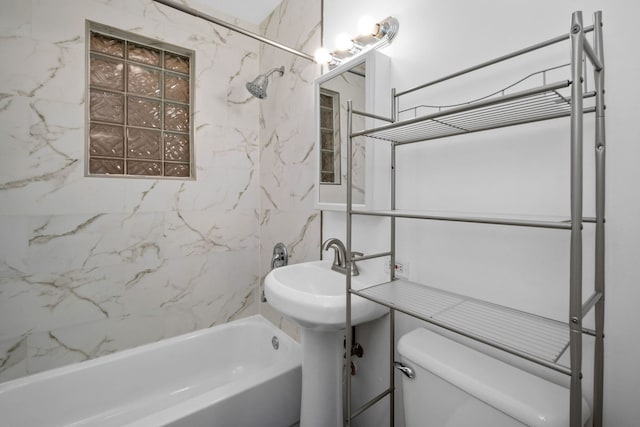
[(364, 81)]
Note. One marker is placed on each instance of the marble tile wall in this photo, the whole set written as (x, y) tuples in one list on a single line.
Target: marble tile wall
[(89, 266), (287, 156)]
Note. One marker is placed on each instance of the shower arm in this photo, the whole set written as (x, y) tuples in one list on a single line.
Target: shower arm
[(273, 70)]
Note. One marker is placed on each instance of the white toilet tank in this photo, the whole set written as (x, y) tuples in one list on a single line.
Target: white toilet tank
[(457, 386)]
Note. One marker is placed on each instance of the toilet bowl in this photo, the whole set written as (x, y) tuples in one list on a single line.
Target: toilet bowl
[(456, 386)]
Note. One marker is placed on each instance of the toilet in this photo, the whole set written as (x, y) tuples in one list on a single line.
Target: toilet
[(457, 386)]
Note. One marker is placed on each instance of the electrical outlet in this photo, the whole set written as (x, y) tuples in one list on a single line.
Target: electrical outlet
[(401, 269)]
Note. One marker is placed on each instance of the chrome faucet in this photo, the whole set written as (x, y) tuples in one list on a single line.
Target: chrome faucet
[(280, 256), (340, 256), (275, 260)]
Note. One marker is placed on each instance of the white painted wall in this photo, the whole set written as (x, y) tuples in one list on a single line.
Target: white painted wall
[(517, 170)]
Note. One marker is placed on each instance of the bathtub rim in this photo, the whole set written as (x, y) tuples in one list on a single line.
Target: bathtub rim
[(52, 373)]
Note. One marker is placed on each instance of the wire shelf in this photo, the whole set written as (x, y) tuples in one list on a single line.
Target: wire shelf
[(539, 339), (532, 105)]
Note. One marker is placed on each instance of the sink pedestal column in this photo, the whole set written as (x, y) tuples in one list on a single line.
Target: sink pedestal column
[(322, 359)]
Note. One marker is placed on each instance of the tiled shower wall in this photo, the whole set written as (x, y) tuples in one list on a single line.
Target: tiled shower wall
[(89, 266), (287, 156)]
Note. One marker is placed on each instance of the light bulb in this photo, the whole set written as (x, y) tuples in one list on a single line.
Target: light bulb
[(344, 42), (367, 26), (322, 56)]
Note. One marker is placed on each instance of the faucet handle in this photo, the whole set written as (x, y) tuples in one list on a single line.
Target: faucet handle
[(354, 267)]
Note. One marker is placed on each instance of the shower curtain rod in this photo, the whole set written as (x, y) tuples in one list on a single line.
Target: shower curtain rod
[(201, 15)]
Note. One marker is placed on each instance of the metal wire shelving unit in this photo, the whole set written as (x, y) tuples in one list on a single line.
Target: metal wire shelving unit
[(529, 336)]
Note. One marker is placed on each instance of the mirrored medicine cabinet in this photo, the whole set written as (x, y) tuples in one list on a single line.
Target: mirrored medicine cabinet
[(364, 81)]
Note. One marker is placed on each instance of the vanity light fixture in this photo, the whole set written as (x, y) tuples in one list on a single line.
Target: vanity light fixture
[(323, 56), (372, 35), (385, 29), (367, 26), (345, 43)]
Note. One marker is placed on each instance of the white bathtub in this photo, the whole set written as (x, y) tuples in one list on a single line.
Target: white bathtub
[(228, 375)]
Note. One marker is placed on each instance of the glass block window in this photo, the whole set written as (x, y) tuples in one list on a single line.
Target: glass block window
[(329, 137), (139, 106)]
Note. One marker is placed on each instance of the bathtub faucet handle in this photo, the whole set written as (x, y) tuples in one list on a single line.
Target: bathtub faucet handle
[(354, 267), (280, 256)]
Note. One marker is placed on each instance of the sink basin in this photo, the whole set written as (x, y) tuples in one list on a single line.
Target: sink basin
[(314, 296)]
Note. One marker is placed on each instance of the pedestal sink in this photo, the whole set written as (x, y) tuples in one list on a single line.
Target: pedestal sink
[(314, 296)]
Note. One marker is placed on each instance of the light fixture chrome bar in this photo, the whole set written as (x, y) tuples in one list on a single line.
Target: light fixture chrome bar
[(354, 47), (225, 24)]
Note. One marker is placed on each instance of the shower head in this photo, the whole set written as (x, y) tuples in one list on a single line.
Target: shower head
[(258, 87)]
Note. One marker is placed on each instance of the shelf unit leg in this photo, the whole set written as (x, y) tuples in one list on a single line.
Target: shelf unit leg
[(392, 378), (392, 271), (598, 380), (348, 338), (599, 283), (392, 274), (575, 285)]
